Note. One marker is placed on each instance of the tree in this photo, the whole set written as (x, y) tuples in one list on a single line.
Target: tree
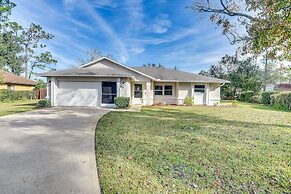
[(30, 39), (154, 65), (244, 75), (10, 48), (40, 84), (92, 55), (44, 61), (20, 47), (265, 23), (5, 9)]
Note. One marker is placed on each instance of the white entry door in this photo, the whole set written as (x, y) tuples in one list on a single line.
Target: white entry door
[(199, 95), (78, 94), (137, 94)]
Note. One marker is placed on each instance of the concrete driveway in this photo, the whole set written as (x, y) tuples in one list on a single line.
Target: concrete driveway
[(49, 151)]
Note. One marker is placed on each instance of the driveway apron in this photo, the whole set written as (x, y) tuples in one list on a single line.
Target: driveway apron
[(49, 151)]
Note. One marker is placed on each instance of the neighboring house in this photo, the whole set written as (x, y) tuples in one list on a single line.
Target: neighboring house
[(99, 82), (283, 87), (14, 82)]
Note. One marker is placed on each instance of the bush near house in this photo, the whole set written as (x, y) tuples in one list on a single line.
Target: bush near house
[(43, 103), (246, 96), (188, 101), (281, 100), (11, 95), (121, 102), (266, 96)]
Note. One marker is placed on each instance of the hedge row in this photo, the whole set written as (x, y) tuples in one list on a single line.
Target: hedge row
[(246, 96), (281, 100), (250, 96), (12, 95)]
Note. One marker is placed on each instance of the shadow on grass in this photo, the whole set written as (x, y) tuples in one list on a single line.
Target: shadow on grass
[(27, 104), (267, 107)]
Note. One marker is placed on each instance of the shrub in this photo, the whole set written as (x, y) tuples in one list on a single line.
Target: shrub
[(43, 103), (121, 102), (246, 96), (188, 101), (256, 99), (266, 96), (281, 100), (12, 95)]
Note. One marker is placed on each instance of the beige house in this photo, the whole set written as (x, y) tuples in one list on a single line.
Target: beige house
[(99, 82)]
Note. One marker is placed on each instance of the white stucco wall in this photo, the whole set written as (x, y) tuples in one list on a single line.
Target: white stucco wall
[(166, 99), (214, 94), (184, 90), (105, 64)]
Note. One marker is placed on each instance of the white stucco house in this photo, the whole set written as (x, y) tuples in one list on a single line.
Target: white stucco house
[(99, 82)]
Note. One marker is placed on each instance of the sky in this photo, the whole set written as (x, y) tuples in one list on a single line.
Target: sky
[(133, 32)]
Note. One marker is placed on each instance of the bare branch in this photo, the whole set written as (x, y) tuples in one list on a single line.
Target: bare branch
[(225, 10)]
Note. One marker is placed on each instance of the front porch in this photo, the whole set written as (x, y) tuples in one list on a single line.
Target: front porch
[(150, 92)]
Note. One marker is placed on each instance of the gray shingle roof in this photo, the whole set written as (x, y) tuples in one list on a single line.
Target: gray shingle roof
[(92, 72), (166, 74)]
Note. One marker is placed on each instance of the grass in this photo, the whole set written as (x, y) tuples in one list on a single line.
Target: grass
[(174, 149), (7, 108)]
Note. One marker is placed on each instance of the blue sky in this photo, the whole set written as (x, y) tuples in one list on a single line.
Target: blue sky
[(134, 32)]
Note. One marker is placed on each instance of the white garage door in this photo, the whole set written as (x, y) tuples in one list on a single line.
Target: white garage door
[(78, 94)]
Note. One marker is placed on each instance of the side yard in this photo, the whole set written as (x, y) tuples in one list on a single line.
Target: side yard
[(195, 149), (7, 108)]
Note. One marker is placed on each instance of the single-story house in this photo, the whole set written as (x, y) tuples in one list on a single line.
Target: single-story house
[(99, 82), (283, 87), (14, 82)]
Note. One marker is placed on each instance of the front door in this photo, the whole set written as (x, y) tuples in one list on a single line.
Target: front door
[(199, 94), (137, 94), (109, 92)]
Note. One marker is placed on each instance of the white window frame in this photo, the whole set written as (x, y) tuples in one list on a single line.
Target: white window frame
[(160, 90), (200, 90), (168, 90), (10, 87)]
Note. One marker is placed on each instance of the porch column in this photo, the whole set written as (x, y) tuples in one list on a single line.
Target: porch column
[(207, 93), (48, 89), (118, 87), (53, 91), (149, 94), (177, 93)]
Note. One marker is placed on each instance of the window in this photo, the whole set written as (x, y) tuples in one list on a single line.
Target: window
[(168, 90), (10, 87), (109, 92), (137, 90), (199, 88), (158, 90)]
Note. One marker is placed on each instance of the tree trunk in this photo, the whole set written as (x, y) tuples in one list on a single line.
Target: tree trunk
[(26, 62), (266, 72)]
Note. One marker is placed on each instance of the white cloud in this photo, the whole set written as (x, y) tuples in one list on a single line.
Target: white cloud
[(138, 50), (161, 24), (107, 29)]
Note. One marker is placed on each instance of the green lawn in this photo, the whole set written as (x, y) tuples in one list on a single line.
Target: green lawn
[(7, 108), (195, 149)]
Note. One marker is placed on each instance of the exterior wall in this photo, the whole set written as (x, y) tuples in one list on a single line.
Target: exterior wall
[(17, 87), (165, 99), (214, 94), (3, 86), (21, 87), (125, 87), (185, 90), (105, 64)]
